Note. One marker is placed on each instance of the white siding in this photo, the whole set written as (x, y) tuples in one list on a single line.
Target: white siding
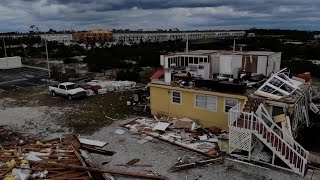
[(225, 66), (274, 62), (236, 61), (167, 76), (262, 65)]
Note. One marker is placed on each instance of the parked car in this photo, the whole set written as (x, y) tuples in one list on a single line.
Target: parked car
[(67, 89)]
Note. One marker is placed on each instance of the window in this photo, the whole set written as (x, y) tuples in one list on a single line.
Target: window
[(195, 60), (62, 87), (206, 102), (229, 103), (190, 60), (72, 86), (182, 61), (176, 97), (200, 60)]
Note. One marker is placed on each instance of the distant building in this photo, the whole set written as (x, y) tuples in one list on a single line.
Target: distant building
[(93, 36), (317, 36), (155, 36), (10, 62), (251, 35), (316, 62), (61, 38)]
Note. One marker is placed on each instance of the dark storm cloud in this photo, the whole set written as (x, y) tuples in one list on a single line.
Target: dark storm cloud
[(18, 15)]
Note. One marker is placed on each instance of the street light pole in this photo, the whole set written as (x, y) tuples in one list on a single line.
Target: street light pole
[(45, 42)]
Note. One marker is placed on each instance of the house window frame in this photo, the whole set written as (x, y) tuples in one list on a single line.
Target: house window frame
[(224, 104), (206, 102), (174, 91)]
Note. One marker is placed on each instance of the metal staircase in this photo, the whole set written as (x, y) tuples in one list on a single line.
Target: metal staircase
[(284, 147)]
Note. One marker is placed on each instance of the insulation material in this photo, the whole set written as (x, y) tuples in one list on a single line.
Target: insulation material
[(279, 118)]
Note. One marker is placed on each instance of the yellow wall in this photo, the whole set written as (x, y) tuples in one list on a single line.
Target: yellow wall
[(161, 104)]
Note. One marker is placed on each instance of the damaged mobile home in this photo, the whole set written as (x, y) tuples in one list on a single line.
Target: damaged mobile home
[(244, 93)]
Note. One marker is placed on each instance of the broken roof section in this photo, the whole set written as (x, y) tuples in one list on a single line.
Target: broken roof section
[(158, 74), (278, 86)]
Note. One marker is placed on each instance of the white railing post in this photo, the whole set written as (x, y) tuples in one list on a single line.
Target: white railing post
[(251, 124)]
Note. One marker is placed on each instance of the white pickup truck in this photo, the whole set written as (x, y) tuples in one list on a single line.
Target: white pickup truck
[(67, 89)]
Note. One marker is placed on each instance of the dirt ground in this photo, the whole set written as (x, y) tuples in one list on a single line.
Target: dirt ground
[(34, 108), (34, 111)]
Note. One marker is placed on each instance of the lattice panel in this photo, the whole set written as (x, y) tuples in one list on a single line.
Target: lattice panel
[(240, 140), (259, 154)]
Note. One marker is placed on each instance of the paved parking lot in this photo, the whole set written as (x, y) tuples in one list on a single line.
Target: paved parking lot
[(21, 77)]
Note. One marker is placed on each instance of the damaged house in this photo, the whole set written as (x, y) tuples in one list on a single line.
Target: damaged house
[(244, 93)]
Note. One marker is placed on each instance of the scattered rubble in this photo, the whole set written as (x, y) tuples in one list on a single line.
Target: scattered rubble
[(182, 132), (61, 158)]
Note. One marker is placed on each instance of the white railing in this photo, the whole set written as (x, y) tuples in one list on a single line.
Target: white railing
[(294, 154), (233, 114)]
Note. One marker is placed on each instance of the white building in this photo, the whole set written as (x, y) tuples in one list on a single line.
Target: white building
[(136, 37), (62, 38), (204, 63), (10, 62)]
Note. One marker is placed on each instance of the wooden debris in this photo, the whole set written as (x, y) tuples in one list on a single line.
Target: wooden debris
[(135, 165), (195, 164), (82, 168), (60, 158), (133, 161), (96, 150)]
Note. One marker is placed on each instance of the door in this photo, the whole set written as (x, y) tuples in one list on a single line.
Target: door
[(62, 90)]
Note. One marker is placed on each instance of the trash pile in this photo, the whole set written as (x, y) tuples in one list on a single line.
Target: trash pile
[(61, 158), (102, 87), (183, 132)]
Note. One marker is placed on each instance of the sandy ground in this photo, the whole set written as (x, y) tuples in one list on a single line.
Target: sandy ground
[(40, 121), (45, 122)]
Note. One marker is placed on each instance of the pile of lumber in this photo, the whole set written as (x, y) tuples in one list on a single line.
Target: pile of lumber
[(61, 158)]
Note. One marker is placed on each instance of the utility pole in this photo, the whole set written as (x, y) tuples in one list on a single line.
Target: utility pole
[(45, 42), (4, 46), (234, 45), (187, 43), (5, 51)]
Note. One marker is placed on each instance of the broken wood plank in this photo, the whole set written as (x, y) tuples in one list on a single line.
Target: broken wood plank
[(135, 165), (133, 161), (7, 171), (81, 168), (81, 160), (97, 150), (195, 164)]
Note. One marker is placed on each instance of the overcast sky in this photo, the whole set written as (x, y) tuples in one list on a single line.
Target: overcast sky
[(19, 15)]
